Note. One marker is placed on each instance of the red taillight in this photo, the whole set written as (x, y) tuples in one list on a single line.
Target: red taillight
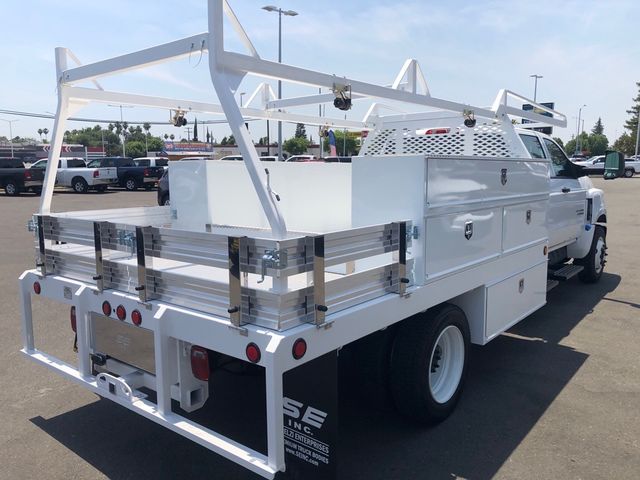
[(72, 317), (96, 173), (436, 131), (200, 363), (253, 353), (136, 317), (36, 288), (106, 308), (27, 175), (121, 312), (299, 348), (146, 172)]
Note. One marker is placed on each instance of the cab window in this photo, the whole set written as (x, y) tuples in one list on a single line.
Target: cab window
[(559, 161), (532, 144), (143, 163)]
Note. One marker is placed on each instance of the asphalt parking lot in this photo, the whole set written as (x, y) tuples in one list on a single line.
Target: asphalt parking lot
[(557, 397)]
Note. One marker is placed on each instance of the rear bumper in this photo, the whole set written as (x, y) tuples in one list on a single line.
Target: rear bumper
[(167, 324), (209, 439), (33, 183), (103, 181), (150, 180)]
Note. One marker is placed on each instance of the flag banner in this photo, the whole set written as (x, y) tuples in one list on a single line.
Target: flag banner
[(332, 144)]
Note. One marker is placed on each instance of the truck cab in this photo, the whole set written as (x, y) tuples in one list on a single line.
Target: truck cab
[(576, 208)]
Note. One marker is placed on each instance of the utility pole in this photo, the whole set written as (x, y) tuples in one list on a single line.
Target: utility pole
[(535, 85)]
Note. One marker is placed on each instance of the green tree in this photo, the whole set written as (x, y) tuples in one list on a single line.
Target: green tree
[(296, 145), (598, 129), (146, 126), (136, 149), (625, 144), (344, 147), (301, 131), (570, 147), (632, 123), (598, 144)]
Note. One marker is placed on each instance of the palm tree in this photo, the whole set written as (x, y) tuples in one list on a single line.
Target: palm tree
[(146, 126), (40, 133), (166, 136), (172, 137), (45, 131)]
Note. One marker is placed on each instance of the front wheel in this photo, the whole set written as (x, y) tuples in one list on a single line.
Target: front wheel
[(595, 260), (628, 173), (429, 363)]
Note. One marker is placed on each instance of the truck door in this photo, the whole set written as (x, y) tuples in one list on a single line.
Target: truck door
[(568, 200)]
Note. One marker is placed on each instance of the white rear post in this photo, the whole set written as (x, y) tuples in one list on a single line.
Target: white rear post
[(57, 137), (221, 78)]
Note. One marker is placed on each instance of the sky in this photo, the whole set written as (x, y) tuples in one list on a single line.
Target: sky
[(468, 50)]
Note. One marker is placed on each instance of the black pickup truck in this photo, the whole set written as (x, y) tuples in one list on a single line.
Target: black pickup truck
[(130, 176), (14, 178)]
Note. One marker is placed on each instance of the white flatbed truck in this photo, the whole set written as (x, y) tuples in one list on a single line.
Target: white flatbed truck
[(446, 230)]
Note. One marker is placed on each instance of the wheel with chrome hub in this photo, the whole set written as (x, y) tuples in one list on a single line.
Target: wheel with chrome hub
[(596, 259)]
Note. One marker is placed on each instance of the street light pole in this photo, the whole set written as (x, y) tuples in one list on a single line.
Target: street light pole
[(10, 122), (289, 13), (535, 76), (578, 128), (124, 150), (638, 134)]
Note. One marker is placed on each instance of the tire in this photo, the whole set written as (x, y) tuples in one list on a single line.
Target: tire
[(130, 184), (11, 189), (164, 201), (629, 172), (429, 364), (595, 260), (79, 185), (372, 365)]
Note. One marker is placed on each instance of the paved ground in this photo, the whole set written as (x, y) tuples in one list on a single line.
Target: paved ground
[(556, 397)]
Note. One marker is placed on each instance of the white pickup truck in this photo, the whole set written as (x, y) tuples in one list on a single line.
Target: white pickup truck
[(595, 166), (73, 173)]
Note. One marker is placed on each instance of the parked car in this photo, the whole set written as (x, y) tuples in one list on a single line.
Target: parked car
[(163, 189), (595, 166), (152, 162), (337, 159), (15, 178), (130, 176), (303, 158), (264, 158), (73, 173)]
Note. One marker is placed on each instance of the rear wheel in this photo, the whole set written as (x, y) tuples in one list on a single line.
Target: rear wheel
[(628, 173), (130, 184), (595, 260), (429, 363), (11, 189), (80, 185)]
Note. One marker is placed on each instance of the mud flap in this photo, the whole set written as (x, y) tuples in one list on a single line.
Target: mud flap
[(311, 420)]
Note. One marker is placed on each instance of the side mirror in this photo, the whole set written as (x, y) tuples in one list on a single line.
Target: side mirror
[(613, 165)]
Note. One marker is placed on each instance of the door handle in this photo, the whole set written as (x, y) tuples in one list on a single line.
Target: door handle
[(566, 189)]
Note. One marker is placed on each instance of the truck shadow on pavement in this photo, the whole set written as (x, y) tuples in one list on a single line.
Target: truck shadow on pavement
[(511, 382)]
